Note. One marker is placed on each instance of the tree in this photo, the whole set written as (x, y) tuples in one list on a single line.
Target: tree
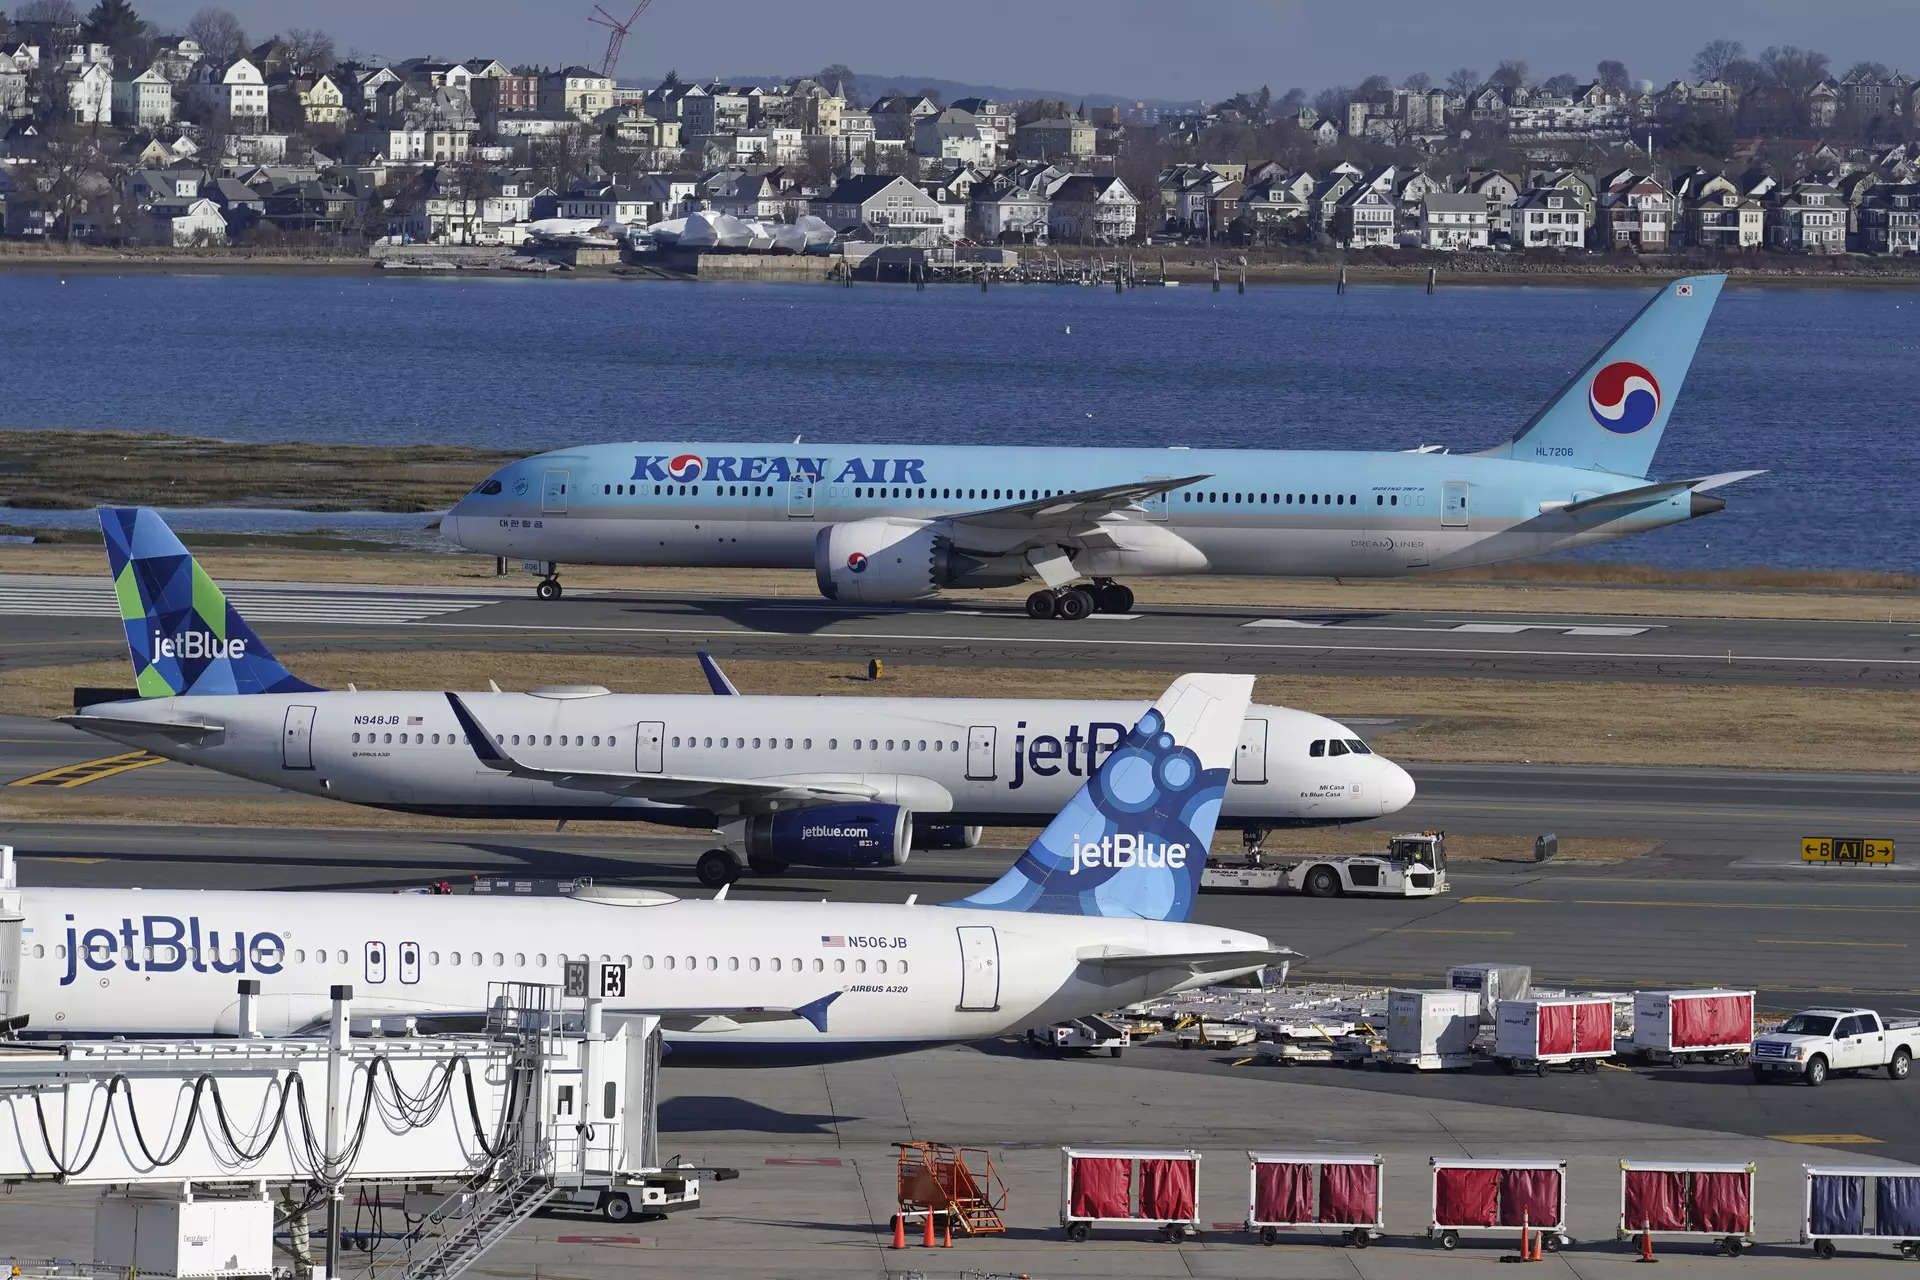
[(1510, 74), (1291, 102), (71, 172), (1373, 89), (1868, 71), (1715, 57), (1792, 68), (1331, 104), (1419, 82), (48, 12), (836, 75), (310, 51), (1612, 74), (1560, 86), (1463, 80), (222, 39)]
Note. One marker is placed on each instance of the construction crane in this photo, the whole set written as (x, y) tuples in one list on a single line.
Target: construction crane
[(616, 33)]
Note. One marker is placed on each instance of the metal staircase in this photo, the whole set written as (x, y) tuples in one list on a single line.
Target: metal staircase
[(960, 1182), (503, 1208)]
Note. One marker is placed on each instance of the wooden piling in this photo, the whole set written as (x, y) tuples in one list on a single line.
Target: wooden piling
[(1340, 286), (1433, 274)]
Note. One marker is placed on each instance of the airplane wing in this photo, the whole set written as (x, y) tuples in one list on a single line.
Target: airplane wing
[(171, 728), (1064, 512), (726, 794), (1646, 493), (709, 1019)]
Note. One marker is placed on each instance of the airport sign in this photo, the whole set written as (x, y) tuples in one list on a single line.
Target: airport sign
[(1846, 849)]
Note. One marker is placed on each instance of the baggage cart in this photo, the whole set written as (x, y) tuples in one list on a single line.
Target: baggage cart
[(1487, 1197), (1281, 1194), (1703, 1025), (1215, 1035), (1687, 1200), (1532, 1035), (1097, 1189), (1432, 1030), (1861, 1202)]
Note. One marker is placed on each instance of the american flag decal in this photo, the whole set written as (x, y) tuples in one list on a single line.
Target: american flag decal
[(1683, 291), (833, 939)]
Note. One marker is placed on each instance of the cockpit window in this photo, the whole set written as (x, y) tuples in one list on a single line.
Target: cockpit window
[(1318, 749), (487, 488), (1358, 747), (1335, 747)]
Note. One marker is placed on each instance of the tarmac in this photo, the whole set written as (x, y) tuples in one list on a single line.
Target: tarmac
[(53, 618)]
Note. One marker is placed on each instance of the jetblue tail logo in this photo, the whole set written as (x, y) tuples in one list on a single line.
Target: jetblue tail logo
[(1624, 397), (1133, 841)]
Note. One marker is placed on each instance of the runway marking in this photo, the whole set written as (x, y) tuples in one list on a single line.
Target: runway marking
[(1486, 899), (1823, 942), (339, 608), (1467, 933), (1826, 1139), (1696, 906), (1467, 628), (76, 775)]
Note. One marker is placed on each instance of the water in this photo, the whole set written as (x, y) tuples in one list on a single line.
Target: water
[(1816, 385)]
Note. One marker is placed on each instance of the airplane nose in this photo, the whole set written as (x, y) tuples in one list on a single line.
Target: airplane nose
[(1395, 788)]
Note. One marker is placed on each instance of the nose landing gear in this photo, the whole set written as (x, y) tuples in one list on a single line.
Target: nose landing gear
[(1075, 603), (549, 589)]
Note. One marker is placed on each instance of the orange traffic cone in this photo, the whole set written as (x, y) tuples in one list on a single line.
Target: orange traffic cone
[(1526, 1243), (1646, 1245), (946, 1231), (928, 1242), (899, 1230)]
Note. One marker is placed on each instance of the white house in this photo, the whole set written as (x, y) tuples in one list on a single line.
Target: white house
[(185, 220), (90, 95), (1548, 218), (892, 209), (240, 92), (145, 101), (1450, 221), (1086, 209), (954, 135)]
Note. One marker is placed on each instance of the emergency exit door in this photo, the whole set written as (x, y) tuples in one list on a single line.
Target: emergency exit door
[(553, 493), (1454, 499), (980, 753), (1250, 760), (979, 968), (800, 497), (296, 743), (648, 737)]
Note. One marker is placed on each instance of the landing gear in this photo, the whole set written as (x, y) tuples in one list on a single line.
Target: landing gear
[(1110, 597), (718, 868), (549, 589), (766, 866), (1070, 603)]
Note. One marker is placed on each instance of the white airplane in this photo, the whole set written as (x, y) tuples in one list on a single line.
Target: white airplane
[(825, 781), (1093, 915)]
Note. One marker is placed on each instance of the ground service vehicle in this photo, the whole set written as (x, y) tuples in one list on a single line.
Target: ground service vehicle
[(1413, 866), (1090, 1034), (1815, 1043)]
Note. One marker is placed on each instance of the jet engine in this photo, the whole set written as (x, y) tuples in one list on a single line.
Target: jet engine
[(836, 835), (945, 835), (886, 560)]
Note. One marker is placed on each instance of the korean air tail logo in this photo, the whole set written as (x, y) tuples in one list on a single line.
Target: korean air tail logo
[(857, 562), (686, 466), (1624, 397)]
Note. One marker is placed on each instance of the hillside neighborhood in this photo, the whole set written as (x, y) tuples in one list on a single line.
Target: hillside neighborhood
[(113, 133)]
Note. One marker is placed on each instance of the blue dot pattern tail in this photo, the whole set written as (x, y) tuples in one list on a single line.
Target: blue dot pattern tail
[(183, 636), (1133, 841)]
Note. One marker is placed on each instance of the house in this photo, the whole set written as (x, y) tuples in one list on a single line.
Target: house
[(240, 204), (758, 195), (514, 201), (1324, 134), (896, 114), (1326, 197), (1807, 217), (503, 92), (1453, 221), (1277, 207), (1635, 214), (713, 109), (144, 101), (1890, 219), (90, 95), (312, 206), (1002, 211), (237, 94), (1364, 217), (13, 89), (175, 57), (819, 112), (1823, 104), (181, 221), (1499, 191), (1091, 209), (575, 91), (994, 117), (144, 186), (954, 135), (888, 207), (1715, 214), (1547, 218), (323, 101), (1069, 137)]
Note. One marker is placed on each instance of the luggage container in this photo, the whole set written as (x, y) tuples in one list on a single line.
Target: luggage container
[(1432, 1030), (1705, 1025), (1483, 1197), (1836, 1207), (1532, 1035), (1494, 982), (1096, 1190), (1687, 1201), (1280, 1194)]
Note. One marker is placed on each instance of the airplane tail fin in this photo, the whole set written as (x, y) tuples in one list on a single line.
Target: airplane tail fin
[(1610, 415), (183, 636), (1133, 841)]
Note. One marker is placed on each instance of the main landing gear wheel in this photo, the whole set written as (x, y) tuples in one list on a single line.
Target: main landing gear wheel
[(1110, 597), (1070, 603), (1040, 604), (718, 868), (549, 589)]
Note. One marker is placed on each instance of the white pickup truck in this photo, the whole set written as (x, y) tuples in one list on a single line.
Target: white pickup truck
[(1815, 1043)]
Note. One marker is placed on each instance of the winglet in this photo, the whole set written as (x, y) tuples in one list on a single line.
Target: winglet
[(716, 678), (815, 1011), (477, 737)]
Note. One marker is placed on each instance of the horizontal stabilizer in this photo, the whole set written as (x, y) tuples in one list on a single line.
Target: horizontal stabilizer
[(110, 725), (1196, 962), (1642, 495)]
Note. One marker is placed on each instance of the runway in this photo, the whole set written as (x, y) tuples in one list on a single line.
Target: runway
[(64, 619)]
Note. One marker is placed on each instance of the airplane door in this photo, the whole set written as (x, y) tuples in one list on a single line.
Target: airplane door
[(1156, 507), (980, 753), (800, 497), (647, 739), (1250, 760), (553, 493), (1454, 512), (296, 744), (979, 968)]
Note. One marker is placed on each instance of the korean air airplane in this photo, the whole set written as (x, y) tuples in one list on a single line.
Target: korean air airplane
[(1094, 914), (889, 523), (824, 781)]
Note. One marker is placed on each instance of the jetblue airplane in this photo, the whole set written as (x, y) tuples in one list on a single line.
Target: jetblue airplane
[(823, 781), (890, 523), (1094, 914)]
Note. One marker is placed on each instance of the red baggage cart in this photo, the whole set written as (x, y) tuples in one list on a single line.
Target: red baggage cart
[(1532, 1035), (1687, 1200), (1503, 1197), (1282, 1187), (1702, 1025), (1097, 1188)]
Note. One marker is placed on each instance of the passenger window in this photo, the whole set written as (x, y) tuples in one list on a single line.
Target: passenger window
[(1318, 749), (1335, 747)]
